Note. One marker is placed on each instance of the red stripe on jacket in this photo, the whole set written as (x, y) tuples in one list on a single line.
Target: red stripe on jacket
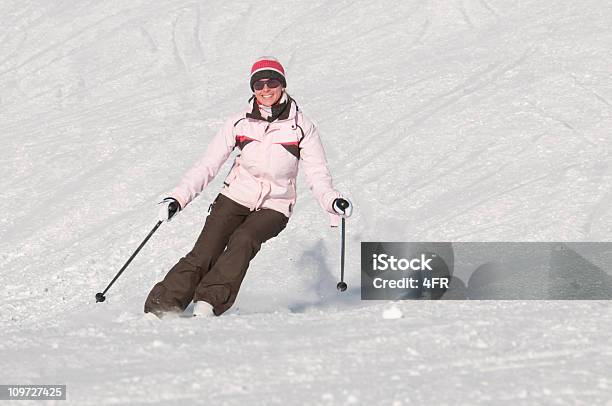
[(242, 138)]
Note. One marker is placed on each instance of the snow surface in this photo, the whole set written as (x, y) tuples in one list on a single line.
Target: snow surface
[(454, 120)]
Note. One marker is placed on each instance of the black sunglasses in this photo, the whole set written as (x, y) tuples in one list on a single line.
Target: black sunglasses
[(271, 83)]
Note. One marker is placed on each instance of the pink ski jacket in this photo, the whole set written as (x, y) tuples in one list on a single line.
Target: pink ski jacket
[(264, 172)]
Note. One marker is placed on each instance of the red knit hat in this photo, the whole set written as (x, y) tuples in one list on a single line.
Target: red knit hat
[(267, 67)]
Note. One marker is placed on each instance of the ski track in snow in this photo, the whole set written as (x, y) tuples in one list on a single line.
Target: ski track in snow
[(473, 120)]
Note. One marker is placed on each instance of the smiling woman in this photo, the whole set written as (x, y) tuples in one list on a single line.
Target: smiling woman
[(257, 198), (268, 81), (268, 91)]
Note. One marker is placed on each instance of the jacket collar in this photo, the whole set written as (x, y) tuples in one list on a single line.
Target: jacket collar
[(285, 110)]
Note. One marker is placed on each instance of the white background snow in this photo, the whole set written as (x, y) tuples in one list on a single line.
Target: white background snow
[(443, 120)]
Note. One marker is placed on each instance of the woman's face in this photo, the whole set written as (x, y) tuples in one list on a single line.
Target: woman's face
[(268, 96)]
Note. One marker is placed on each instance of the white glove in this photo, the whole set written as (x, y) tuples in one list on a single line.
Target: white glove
[(169, 207), (343, 207)]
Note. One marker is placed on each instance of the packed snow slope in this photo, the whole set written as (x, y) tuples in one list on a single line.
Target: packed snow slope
[(443, 120)]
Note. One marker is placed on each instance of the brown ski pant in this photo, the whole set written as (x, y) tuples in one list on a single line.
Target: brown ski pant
[(214, 269)]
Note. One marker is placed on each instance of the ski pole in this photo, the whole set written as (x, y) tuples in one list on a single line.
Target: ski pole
[(100, 295), (341, 286)]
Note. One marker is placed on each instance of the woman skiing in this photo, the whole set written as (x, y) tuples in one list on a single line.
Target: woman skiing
[(256, 200)]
